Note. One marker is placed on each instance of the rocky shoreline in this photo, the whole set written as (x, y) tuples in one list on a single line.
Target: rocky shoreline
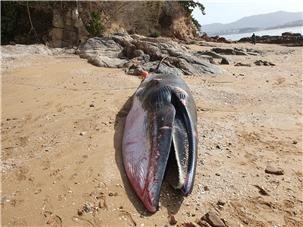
[(287, 38)]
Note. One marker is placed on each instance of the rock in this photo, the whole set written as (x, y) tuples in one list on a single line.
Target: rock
[(274, 170), (229, 51), (213, 219), (103, 61), (203, 223), (224, 61), (91, 105), (210, 53), (206, 188), (80, 212), (187, 224), (217, 39), (287, 38), (82, 133), (242, 64), (172, 220), (119, 50), (294, 142), (264, 63)]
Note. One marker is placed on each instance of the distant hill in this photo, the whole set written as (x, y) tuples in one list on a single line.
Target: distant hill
[(255, 23)]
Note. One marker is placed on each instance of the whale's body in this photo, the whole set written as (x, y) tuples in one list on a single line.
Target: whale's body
[(160, 136)]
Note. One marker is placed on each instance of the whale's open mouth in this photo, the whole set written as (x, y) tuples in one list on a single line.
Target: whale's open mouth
[(159, 139)]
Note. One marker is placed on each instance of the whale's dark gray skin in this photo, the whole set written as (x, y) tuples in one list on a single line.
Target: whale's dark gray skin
[(160, 138)]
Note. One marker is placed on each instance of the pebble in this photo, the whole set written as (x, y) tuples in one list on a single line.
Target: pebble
[(91, 105), (80, 212), (206, 188), (274, 170), (294, 142), (113, 194), (82, 133)]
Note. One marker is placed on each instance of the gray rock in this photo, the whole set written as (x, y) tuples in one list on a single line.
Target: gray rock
[(107, 62), (242, 64), (210, 53), (119, 49), (264, 63), (229, 51)]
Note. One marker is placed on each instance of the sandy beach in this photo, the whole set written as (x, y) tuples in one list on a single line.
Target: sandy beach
[(62, 124)]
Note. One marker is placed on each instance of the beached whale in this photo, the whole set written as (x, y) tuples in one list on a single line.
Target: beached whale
[(160, 138)]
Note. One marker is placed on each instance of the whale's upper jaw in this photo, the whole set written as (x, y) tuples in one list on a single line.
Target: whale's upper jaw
[(159, 137)]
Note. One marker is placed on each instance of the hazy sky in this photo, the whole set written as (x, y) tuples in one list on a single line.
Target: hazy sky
[(226, 11)]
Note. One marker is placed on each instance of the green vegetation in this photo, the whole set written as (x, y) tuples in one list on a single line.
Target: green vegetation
[(9, 14), (189, 7), (94, 26), (155, 34), (196, 23)]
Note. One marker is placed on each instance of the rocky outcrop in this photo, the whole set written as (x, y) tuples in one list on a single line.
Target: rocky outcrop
[(216, 39), (68, 28), (287, 38), (138, 52)]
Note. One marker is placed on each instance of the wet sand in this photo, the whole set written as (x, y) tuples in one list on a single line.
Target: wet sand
[(62, 122)]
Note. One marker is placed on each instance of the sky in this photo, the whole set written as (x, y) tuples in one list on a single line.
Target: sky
[(226, 11)]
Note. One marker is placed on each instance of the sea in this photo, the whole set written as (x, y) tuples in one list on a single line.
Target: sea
[(278, 31)]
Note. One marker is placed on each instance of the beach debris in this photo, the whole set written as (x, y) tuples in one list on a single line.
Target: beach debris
[(213, 219), (262, 191), (112, 194), (274, 170), (52, 219), (82, 133), (89, 207), (125, 215)]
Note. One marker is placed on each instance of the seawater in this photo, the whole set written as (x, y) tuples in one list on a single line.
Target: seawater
[(279, 31)]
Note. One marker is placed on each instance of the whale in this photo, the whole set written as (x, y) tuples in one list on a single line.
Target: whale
[(160, 138)]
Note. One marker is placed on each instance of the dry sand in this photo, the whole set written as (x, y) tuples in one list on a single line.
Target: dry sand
[(62, 121)]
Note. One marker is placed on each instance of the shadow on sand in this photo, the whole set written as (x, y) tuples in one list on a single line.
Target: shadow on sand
[(170, 198)]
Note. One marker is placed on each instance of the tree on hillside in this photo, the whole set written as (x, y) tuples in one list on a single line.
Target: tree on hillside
[(189, 6)]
